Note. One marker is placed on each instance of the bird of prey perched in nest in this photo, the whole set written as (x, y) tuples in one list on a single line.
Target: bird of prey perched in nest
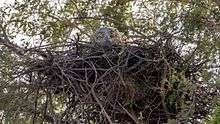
[(107, 36)]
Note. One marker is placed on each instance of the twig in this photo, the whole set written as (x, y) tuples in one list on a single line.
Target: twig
[(133, 117), (102, 108), (35, 107)]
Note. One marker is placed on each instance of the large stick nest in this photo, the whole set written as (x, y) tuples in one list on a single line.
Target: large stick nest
[(120, 84)]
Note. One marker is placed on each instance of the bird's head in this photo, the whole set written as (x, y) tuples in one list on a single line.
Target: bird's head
[(107, 36)]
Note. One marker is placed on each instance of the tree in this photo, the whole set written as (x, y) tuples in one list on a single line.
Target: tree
[(183, 35)]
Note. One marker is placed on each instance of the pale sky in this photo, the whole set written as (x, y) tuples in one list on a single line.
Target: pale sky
[(5, 1)]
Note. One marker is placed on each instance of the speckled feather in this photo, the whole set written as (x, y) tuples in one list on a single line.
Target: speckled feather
[(108, 36)]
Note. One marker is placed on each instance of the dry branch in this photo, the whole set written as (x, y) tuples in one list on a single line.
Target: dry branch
[(127, 83)]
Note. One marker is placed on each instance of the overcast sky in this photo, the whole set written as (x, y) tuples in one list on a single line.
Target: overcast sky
[(5, 1)]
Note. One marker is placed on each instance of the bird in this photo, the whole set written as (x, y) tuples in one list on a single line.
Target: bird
[(107, 36)]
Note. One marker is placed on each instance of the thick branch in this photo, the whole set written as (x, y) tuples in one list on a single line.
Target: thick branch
[(13, 47), (4, 40)]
